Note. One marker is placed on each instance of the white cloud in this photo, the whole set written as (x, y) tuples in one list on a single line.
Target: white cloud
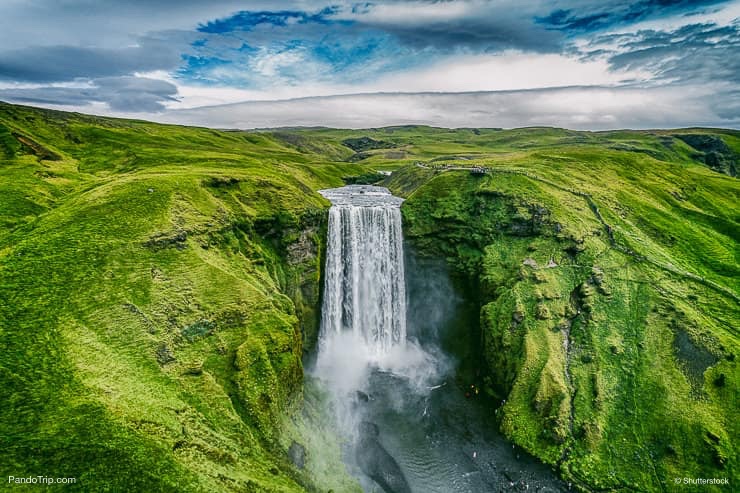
[(576, 107), (508, 71)]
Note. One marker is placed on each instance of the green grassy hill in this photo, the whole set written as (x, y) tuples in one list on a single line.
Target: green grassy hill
[(159, 284), (608, 282), (154, 285)]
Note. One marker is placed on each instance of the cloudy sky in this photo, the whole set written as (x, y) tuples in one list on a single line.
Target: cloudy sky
[(585, 64)]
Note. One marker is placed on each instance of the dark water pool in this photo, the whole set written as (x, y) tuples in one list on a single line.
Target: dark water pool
[(442, 440)]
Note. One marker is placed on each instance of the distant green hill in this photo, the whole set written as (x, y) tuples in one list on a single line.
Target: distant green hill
[(159, 285)]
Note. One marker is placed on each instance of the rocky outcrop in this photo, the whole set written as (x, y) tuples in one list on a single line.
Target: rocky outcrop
[(30, 146), (170, 239), (366, 144), (305, 260), (297, 454), (713, 151), (377, 463)]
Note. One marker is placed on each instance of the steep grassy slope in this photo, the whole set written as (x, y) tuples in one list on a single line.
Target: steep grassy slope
[(158, 285), (154, 285), (608, 284)]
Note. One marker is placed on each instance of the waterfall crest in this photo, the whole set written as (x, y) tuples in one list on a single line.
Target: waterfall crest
[(364, 288)]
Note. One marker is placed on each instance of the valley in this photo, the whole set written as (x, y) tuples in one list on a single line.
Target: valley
[(161, 292)]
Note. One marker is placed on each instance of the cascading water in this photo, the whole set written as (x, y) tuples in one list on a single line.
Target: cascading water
[(365, 290), (363, 319)]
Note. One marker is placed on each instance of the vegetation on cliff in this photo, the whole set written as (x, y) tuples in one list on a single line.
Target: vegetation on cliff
[(608, 284)]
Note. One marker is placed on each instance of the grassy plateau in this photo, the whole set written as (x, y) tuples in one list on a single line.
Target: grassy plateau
[(160, 285)]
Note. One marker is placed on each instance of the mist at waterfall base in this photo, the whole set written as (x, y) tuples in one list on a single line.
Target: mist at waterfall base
[(390, 346)]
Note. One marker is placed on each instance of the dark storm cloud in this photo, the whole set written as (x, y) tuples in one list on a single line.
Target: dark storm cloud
[(726, 105), (598, 16), (477, 34), (128, 94), (483, 27), (692, 53), (135, 93), (65, 63)]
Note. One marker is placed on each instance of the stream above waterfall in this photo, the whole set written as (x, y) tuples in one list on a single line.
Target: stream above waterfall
[(394, 335)]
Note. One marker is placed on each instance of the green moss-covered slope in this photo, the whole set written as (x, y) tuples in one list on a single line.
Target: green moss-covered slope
[(608, 284), (155, 283)]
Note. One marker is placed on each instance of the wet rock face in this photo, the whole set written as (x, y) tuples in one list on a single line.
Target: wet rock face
[(368, 429), (377, 463), (172, 239), (304, 249), (297, 454)]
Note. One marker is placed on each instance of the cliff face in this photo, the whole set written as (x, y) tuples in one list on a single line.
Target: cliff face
[(609, 348)]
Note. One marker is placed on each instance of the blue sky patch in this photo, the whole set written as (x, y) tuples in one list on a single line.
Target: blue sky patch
[(246, 20), (289, 46)]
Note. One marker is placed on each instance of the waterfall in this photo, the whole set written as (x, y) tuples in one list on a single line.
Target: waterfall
[(364, 289), (362, 339)]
